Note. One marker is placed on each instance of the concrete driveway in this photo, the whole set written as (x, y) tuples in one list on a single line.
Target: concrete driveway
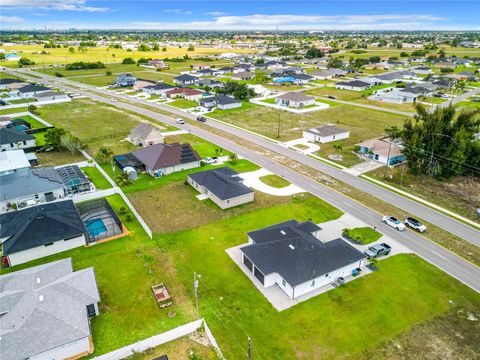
[(363, 167), (252, 180), (311, 146)]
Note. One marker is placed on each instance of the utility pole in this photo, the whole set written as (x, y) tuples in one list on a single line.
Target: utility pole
[(278, 127), (249, 356), (195, 291)]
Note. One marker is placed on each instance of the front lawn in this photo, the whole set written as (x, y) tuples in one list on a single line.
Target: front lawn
[(275, 181), (183, 104), (363, 235)]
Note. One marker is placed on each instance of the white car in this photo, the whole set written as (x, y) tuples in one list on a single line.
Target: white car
[(114, 100), (209, 160), (180, 121), (415, 224), (394, 222)]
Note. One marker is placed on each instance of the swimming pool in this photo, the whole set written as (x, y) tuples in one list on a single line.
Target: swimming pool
[(284, 79), (95, 227)]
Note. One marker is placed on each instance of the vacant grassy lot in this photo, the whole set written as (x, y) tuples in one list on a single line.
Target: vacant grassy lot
[(275, 181), (57, 158), (460, 195), (102, 53), (202, 147), (183, 104), (185, 211), (12, 111), (96, 124), (177, 350)]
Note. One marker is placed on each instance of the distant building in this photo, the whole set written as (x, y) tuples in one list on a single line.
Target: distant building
[(355, 85), (158, 63), (185, 79), (125, 80), (221, 102), (13, 139), (384, 151), (326, 133), (295, 99), (145, 135)]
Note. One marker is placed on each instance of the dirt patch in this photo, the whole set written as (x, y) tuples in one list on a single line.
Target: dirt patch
[(174, 207), (452, 336)]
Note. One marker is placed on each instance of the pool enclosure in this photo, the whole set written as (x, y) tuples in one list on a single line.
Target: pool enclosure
[(100, 220), (74, 179)]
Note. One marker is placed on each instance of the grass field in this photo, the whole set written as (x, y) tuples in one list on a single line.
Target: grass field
[(275, 181), (104, 54), (57, 158), (202, 147), (96, 177), (362, 123), (183, 104), (364, 235)]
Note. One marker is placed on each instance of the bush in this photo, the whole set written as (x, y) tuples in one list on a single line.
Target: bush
[(82, 65), (25, 62), (58, 74), (128, 60)]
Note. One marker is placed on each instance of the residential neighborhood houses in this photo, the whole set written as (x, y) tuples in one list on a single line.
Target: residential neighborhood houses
[(127, 185)]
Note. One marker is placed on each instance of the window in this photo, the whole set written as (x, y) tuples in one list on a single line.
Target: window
[(313, 283), (49, 244), (326, 275), (24, 142), (284, 283)]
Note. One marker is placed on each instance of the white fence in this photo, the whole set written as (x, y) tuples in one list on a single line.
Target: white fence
[(93, 195), (159, 339), (119, 191)]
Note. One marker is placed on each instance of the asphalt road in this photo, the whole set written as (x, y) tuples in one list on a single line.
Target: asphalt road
[(430, 251)]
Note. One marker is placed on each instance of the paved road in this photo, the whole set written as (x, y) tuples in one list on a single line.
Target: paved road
[(435, 217), (462, 97), (435, 254)]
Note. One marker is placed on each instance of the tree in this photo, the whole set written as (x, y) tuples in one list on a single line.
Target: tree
[(144, 47), (313, 53), (53, 138), (442, 143), (32, 109), (104, 155), (393, 132), (25, 62), (233, 158), (71, 50), (108, 72), (122, 179), (58, 74), (238, 90), (164, 49), (71, 143), (191, 48), (155, 47), (128, 60), (334, 63), (337, 147)]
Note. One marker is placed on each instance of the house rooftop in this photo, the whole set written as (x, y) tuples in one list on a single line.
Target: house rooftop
[(326, 130), (12, 160), (44, 307), (39, 225), (223, 182), (354, 83), (33, 88), (290, 249), (185, 77), (12, 135), (381, 147), (164, 155), (220, 99), (143, 130), (295, 96)]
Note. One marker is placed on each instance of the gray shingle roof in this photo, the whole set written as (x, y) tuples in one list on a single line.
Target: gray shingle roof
[(223, 182), (143, 130), (185, 77), (220, 100), (40, 225), (44, 307), (29, 182), (13, 135), (291, 251), (354, 83), (295, 96), (326, 130), (161, 86), (33, 88)]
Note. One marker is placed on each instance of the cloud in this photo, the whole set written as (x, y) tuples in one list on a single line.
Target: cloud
[(178, 11), (59, 5), (11, 19), (216, 13), (303, 22)]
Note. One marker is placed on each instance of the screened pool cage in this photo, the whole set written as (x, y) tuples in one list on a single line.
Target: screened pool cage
[(100, 220), (74, 179)]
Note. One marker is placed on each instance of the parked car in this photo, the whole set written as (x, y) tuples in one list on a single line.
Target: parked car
[(394, 222), (415, 224), (113, 100), (201, 119), (331, 97), (378, 250), (180, 121), (209, 160)]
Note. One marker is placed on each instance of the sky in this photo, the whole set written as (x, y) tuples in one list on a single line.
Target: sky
[(241, 15)]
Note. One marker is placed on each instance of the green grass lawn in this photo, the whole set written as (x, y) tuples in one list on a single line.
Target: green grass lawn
[(363, 235), (21, 101), (96, 177), (183, 104), (57, 158), (12, 111), (432, 99), (269, 100), (275, 181), (40, 138), (32, 121)]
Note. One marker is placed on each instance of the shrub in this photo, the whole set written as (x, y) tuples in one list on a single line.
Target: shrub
[(128, 60), (58, 74), (82, 65)]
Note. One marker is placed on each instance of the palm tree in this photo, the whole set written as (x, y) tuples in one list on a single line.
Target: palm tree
[(233, 158), (122, 179), (104, 155)]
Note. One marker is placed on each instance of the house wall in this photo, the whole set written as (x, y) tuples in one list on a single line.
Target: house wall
[(172, 169), (153, 138), (353, 88), (19, 145), (69, 350), (57, 194), (229, 106), (42, 251), (325, 139)]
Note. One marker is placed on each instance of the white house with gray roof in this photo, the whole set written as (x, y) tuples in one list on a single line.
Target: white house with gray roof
[(29, 187), (295, 99), (145, 135), (326, 133), (46, 312), (223, 186), (293, 256)]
